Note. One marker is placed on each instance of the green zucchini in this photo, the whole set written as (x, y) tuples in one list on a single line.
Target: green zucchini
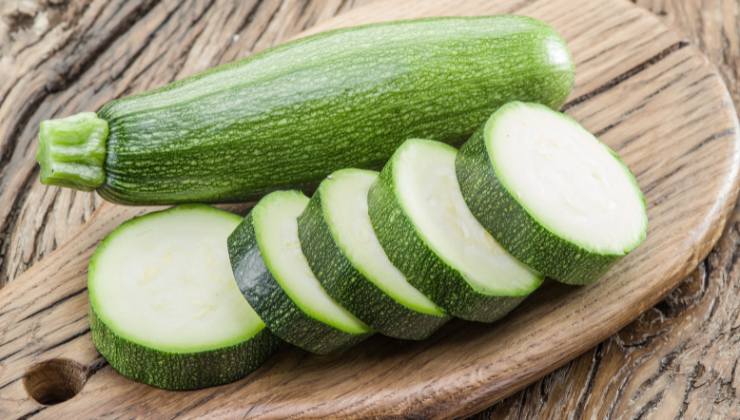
[(553, 195), (275, 278), (427, 231), (164, 307), (287, 117), (338, 241)]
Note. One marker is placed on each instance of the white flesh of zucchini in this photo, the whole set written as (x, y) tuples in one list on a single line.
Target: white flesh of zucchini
[(567, 180), (345, 208), (276, 227), (431, 197), (164, 281)]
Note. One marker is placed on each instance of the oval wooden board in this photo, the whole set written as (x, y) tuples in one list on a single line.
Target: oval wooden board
[(641, 88)]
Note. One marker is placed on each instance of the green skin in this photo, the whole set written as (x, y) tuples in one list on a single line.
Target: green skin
[(168, 369), (288, 116), (515, 228), (423, 268), (181, 371), (353, 290), (281, 315)]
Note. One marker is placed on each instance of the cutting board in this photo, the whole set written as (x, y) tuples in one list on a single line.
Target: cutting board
[(639, 86)]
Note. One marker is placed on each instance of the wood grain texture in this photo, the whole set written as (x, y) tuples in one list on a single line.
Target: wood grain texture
[(640, 69), (680, 358)]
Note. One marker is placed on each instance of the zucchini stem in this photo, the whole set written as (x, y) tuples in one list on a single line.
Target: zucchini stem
[(72, 151)]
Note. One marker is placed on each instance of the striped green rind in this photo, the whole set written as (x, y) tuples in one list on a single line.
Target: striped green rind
[(181, 371), (281, 315), (287, 117), (351, 288), (423, 268), (514, 227)]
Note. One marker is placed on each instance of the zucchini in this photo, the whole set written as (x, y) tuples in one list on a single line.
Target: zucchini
[(553, 195), (164, 307), (427, 231), (275, 278), (287, 117), (338, 241)]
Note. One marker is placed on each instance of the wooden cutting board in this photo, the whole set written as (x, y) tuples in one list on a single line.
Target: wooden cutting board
[(642, 89)]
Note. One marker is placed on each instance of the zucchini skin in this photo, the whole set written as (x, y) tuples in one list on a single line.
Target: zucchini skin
[(515, 229), (288, 116), (426, 271), (350, 288), (181, 371), (277, 310)]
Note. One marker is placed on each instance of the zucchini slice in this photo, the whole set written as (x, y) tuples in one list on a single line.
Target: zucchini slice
[(552, 194), (164, 307), (340, 245), (427, 231), (275, 278)]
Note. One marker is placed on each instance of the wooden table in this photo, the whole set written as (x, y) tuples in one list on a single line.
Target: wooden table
[(679, 359)]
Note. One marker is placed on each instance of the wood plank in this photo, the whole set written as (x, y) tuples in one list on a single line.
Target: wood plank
[(631, 92)]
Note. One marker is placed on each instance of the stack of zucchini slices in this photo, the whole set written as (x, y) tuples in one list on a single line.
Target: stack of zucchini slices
[(437, 233)]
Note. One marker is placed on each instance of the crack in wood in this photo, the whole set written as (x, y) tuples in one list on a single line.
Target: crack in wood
[(645, 409), (616, 81), (54, 304), (587, 392)]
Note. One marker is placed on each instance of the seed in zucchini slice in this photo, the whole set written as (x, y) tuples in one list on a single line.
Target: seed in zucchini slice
[(274, 276), (552, 194), (164, 307), (340, 245), (427, 231)]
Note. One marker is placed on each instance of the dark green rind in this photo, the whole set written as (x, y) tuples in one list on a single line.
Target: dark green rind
[(287, 117), (426, 271), (181, 371), (283, 317), (514, 228), (350, 288)]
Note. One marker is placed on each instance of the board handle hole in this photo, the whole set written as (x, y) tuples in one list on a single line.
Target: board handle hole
[(54, 381)]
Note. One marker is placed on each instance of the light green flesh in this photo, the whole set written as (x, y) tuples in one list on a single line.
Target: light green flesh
[(72, 151), (571, 183), (344, 204), (164, 281), (276, 227), (428, 191)]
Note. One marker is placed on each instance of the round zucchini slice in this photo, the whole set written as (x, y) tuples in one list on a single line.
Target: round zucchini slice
[(427, 231), (553, 195), (274, 276), (164, 307), (340, 245)]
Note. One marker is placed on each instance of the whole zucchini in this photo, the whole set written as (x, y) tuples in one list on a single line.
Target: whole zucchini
[(288, 116)]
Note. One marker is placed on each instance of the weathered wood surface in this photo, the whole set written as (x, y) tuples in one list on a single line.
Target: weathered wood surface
[(678, 358)]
